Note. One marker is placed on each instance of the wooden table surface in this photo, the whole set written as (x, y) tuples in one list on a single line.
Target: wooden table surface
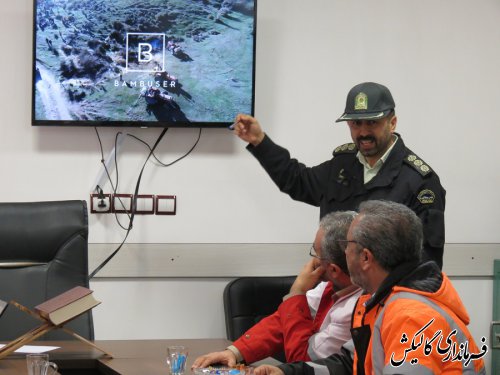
[(130, 357)]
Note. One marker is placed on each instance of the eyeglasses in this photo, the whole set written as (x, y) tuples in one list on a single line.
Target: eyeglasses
[(312, 252), (344, 243)]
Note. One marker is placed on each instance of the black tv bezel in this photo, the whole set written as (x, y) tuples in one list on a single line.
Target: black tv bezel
[(132, 124)]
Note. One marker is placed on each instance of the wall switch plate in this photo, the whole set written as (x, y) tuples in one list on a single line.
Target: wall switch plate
[(122, 203), (166, 204), (145, 204), (100, 203)]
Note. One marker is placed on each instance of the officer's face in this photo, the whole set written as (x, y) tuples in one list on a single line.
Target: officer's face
[(373, 137)]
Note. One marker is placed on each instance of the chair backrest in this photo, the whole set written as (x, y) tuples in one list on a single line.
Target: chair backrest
[(249, 299), (43, 252)]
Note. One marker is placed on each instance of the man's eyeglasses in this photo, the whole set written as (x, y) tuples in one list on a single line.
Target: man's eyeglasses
[(314, 254), (344, 243)]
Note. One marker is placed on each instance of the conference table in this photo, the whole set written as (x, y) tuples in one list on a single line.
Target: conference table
[(130, 357)]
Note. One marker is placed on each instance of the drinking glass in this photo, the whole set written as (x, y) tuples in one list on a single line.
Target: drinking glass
[(39, 364), (176, 359)]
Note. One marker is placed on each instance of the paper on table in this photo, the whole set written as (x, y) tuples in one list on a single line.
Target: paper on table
[(33, 348)]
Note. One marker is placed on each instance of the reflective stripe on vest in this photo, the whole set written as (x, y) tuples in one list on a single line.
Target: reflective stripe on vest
[(378, 354)]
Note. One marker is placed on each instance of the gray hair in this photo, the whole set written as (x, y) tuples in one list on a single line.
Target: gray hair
[(391, 231), (335, 226)]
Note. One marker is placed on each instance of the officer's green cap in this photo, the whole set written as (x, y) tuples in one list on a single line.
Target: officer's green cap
[(367, 101)]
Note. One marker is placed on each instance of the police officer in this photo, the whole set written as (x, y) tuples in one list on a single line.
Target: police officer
[(377, 165)]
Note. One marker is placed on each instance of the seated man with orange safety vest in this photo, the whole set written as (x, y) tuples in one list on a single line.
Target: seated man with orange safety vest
[(410, 319)]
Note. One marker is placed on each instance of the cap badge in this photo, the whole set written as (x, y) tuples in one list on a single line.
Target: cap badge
[(426, 196), (361, 101)]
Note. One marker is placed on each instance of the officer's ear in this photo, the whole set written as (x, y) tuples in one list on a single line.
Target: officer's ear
[(393, 122)]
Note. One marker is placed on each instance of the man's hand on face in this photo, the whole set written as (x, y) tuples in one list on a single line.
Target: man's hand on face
[(308, 278)]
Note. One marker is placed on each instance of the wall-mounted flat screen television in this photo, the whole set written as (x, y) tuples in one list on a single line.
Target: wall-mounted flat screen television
[(143, 63)]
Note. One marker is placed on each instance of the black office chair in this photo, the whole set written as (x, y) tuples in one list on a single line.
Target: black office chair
[(249, 299), (43, 252)]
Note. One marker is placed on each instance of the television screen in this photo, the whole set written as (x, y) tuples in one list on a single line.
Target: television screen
[(143, 63)]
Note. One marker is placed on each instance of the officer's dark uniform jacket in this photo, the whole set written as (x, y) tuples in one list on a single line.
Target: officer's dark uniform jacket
[(338, 185), (414, 324)]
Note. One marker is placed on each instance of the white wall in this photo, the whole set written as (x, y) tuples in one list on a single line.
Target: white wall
[(439, 58)]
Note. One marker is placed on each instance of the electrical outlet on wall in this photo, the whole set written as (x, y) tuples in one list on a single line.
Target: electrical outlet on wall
[(145, 204), (166, 204), (100, 203), (122, 203)]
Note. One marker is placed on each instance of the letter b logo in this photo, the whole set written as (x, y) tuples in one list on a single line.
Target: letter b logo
[(145, 52)]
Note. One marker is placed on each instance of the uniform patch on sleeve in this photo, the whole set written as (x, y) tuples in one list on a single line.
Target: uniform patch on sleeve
[(426, 196), (345, 148)]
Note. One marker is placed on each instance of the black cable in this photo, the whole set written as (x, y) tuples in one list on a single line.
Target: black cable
[(100, 196), (134, 207), (113, 188), (98, 268), (136, 192), (175, 161), (116, 160), (102, 160), (100, 144)]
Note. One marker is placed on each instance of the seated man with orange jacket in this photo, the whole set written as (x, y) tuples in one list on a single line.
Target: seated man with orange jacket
[(313, 320), (410, 319)]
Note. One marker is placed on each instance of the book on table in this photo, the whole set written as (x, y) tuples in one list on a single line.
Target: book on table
[(54, 313), (67, 305)]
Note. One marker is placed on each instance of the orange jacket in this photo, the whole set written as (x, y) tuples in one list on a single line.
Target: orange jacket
[(420, 332), (414, 324)]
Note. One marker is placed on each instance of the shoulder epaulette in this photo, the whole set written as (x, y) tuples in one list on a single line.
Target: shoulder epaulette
[(346, 148), (418, 164)]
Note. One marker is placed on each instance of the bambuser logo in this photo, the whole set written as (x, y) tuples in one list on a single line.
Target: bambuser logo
[(145, 52)]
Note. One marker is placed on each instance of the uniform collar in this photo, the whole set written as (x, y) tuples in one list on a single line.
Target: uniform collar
[(391, 167), (414, 275), (380, 161)]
